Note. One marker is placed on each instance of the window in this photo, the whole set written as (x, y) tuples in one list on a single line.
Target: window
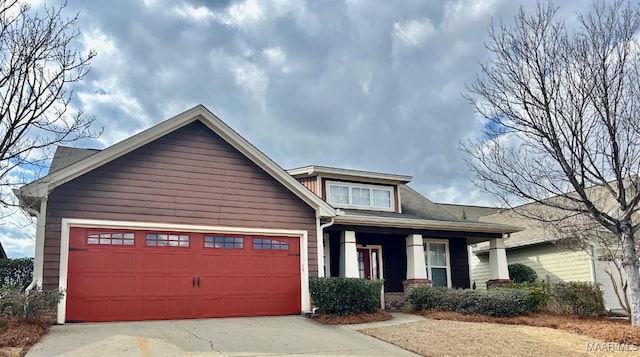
[(270, 244), (224, 242), (436, 256), (349, 195), (167, 240), (111, 238)]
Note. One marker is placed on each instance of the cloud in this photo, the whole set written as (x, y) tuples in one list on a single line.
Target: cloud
[(414, 33), (17, 234), (345, 83)]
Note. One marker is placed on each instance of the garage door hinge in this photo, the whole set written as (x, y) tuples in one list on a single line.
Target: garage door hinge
[(78, 249)]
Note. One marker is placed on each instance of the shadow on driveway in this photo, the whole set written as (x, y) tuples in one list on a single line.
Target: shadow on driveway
[(248, 336)]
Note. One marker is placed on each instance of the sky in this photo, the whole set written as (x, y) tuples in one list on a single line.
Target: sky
[(371, 85)]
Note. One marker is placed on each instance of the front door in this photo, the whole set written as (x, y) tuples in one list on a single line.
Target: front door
[(368, 263)]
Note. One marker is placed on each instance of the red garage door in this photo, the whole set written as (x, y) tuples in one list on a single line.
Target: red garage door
[(118, 275)]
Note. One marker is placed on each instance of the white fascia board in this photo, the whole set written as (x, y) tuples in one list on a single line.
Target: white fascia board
[(49, 182), (264, 162), (426, 224), (516, 245), (340, 173), (199, 112)]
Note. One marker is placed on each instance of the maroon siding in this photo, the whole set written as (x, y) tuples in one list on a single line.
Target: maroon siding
[(190, 176), (310, 182)]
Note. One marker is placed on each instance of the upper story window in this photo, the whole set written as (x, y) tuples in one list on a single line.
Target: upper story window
[(353, 195)]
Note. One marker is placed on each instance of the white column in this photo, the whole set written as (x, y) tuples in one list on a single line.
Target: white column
[(38, 261), (498, 267), (327, 254), (348, 255), (416, 266)]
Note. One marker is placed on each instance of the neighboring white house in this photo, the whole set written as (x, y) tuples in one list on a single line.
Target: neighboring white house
[(534, 247)]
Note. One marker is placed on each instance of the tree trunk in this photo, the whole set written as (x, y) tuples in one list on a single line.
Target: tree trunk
[(631, 266)]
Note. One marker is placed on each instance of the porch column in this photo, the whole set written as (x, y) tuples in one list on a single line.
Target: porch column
[(348, 255), (327, 254), (416, 266), (498, 267)]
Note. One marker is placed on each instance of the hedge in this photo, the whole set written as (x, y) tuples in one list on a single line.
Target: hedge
[(16, 272), (577, 297), (34, 305), (345, 296), (539, 293), (520, 273), (491, 302)]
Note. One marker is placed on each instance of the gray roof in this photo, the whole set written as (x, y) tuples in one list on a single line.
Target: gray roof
[(415, 204), (473, 213), (65, 156)]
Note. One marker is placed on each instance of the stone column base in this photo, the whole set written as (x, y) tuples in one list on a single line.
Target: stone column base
[(498, 283), (411, 284)]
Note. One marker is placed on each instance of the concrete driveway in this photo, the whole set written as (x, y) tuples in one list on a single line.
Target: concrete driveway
[(259, 336)]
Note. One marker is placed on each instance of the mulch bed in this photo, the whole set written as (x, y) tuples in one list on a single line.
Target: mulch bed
[(602, 328), (18, 335), (352, 319)]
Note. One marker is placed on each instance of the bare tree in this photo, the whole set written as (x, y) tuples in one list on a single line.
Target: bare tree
[(37, 64), (563, 116)]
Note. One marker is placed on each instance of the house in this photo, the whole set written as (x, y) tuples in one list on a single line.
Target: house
[(536, 247), (189, 220)]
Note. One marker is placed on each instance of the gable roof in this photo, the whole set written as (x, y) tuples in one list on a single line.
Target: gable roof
[(67, 155), (473, 213), (62, 174), (3, 254)]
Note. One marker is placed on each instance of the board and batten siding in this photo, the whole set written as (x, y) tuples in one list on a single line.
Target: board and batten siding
[(189, 176), (550, 263), (310, 182)]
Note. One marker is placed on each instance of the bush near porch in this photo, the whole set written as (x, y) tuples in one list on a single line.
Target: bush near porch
[(346, 296), (492, 302), (572, 298)]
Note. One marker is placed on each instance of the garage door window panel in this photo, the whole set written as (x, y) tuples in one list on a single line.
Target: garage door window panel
[(270, 244), (167, 240), (218, 242), (111, 238)]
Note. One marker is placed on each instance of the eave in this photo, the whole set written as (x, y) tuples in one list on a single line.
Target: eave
[(426, 224)]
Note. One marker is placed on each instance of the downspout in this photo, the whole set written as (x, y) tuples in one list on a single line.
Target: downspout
[(38, 261), (320, 249)]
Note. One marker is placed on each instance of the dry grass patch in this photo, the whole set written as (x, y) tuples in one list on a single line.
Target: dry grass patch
[(601, 328), (478, 339)]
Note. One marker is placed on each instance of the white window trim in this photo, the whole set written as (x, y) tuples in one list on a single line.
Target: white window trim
[(428, 262), (68, 223), (351, 185)]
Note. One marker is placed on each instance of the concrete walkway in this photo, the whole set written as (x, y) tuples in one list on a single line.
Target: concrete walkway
[(260, 336)]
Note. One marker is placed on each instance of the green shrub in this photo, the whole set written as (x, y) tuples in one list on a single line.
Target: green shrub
[(346, 296), (520, 273), (16, 272), (34, 305), (538, 293), (577, 297), (492, 302)]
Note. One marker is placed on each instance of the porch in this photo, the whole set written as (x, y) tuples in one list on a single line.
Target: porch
[(408, 258)]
